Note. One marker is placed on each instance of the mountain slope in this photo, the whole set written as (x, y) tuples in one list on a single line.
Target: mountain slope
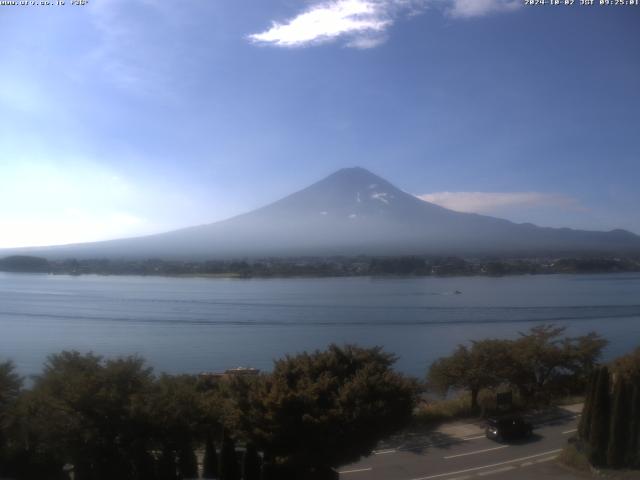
[(354, 212)]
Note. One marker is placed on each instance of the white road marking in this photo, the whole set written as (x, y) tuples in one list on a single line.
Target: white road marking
[(548, 459), (357, 470), (488, 466), (439, 444), (499, 470), (477, 451), (384, 452), (448, 442), (554, 421), (570, 431)]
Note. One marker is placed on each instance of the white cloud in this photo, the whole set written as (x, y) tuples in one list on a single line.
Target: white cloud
[(328, 21), (490, 202), (363, 23), (475, 8)]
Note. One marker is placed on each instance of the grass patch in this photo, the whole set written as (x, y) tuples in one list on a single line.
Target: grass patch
[(568, 400), (573, 458), (459, 407), (445, 410)]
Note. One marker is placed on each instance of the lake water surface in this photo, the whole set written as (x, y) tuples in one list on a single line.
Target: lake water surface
[(202, 324)]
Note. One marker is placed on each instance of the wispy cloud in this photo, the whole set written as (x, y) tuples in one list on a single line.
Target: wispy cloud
[(363, 23), (491, 202)]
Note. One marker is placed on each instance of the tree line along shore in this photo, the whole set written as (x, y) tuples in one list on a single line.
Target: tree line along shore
[(115, 418), (327, 266)]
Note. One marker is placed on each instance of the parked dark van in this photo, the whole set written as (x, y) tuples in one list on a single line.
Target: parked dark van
[(508, 428)]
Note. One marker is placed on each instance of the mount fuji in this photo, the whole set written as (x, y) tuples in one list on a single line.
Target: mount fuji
[(352, 212)]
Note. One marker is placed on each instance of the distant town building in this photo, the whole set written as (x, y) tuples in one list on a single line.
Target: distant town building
[(229, 373)]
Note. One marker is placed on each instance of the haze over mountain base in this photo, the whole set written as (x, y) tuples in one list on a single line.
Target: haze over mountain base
[(352, 212)]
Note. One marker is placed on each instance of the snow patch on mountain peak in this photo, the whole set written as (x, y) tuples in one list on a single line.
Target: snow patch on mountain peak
[(382, 196)]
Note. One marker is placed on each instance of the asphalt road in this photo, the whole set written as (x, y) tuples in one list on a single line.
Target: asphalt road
[(473, 457)]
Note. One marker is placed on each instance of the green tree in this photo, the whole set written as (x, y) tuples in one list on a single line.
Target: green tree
[(599, 431), (10, 386), (542, 355), (341, 401), (210, 461), (176, 412), (187, 462), (583, 354), (89, 413), (10, 389), (143, 463), (251, 463), (24, 263), (167, 465), (229, 468), (30, 428), (532, 363), (484, 365), (619, 425)]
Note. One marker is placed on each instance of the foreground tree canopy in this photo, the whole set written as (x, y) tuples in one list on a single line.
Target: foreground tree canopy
[(538, 363), (324, 409), (109, 419)]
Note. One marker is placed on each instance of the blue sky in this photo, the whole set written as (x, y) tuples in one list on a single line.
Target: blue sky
[(128, 117)]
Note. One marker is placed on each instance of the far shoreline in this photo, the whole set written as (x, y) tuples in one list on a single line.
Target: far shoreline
[(233, 276), (327, 267)]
